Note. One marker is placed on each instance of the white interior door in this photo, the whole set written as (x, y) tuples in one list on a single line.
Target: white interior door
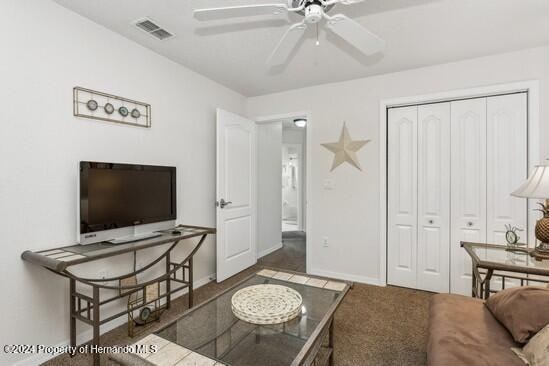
[(433, 228), (468, 192), (507, 168), (236, 194), (402, 200)]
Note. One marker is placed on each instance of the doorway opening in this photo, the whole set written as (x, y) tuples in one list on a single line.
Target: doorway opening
[(282, 192), (290, 187)]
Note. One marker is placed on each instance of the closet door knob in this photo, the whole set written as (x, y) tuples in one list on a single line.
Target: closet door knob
[(431, 222), (470, 223)]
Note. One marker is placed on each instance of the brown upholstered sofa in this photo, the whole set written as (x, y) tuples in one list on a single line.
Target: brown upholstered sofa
[(462, 331)]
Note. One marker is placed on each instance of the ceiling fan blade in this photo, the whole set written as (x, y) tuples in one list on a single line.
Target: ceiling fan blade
[(286, 45), (240, 11), (350, 2), (355, 34)]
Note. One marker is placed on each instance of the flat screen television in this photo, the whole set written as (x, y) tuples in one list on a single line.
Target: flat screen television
[(115, 196)]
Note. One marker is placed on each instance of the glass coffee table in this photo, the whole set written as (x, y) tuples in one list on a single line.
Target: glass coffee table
[(212, 333)]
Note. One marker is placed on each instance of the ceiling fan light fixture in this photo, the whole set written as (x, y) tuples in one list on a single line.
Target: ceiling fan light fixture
[(300, 122), (313, 13)]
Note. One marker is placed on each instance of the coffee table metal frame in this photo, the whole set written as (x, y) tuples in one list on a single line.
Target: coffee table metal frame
[(312, 347)]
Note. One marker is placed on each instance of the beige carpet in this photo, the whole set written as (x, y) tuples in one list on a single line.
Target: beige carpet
[(373, 326)]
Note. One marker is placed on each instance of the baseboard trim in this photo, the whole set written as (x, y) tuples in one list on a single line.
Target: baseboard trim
[(269, 251), (347, 277), (87, 335)]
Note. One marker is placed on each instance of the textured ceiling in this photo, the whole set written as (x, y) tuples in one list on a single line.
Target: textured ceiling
[(418, 33)]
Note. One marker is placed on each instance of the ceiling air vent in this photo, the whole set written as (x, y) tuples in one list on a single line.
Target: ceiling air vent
[(151, 27), (161, 34)]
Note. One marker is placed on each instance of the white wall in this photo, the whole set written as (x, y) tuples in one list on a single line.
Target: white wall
[(269, 210), (293, 136), (348, 215), (46, 51)]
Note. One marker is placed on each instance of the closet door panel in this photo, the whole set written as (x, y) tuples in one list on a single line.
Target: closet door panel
[(402, 199), (468, 192), (433, 197), (506, 164), (507, 146)]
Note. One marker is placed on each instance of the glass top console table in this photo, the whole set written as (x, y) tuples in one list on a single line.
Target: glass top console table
[(498, 260), (85, 301), (211, 333)]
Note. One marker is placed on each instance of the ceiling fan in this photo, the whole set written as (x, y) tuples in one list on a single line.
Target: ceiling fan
[(313, 12)]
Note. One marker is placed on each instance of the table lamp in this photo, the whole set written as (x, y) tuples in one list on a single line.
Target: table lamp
[(537, 186)]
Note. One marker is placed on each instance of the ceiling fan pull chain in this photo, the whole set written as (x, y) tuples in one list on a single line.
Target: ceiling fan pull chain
[(317, 40)]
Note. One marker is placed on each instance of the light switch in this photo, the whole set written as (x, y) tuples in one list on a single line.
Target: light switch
[(328, 184)]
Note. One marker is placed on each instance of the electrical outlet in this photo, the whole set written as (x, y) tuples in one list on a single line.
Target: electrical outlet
[(325, 241)]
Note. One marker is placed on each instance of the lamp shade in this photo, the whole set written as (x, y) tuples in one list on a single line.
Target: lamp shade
[(537, 185)]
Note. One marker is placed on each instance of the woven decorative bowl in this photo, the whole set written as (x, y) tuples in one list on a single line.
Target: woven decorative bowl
[(266, 304)]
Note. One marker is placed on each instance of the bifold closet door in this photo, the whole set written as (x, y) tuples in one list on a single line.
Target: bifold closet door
[(419, 197), (402, 197), (507, 168), (489, 160), (433, 228), (468, 191), (451, 169)]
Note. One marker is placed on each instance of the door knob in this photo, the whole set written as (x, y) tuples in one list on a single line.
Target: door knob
[(431, 222), (470, 223), (223, 203)]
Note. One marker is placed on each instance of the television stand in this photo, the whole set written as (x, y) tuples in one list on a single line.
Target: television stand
[(133, 238), (85, 300)]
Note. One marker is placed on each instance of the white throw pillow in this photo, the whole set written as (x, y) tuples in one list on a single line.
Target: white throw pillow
[(536, 351)]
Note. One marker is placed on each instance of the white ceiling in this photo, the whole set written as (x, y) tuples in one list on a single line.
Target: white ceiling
[(418, 33)]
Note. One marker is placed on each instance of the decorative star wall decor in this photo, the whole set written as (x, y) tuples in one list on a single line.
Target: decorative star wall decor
[(345, 149)]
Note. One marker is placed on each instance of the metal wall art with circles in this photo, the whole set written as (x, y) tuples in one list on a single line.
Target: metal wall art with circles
[(109, 108), (123, 111), (101, 106)]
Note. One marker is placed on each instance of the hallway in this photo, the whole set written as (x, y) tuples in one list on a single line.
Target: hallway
[(291, 256)]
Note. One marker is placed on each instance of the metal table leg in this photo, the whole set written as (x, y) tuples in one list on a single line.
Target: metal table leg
[(331, 342), (168, 282), (474, 282), (487, 283), (72, 311), (96, 325), (191, 288)]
